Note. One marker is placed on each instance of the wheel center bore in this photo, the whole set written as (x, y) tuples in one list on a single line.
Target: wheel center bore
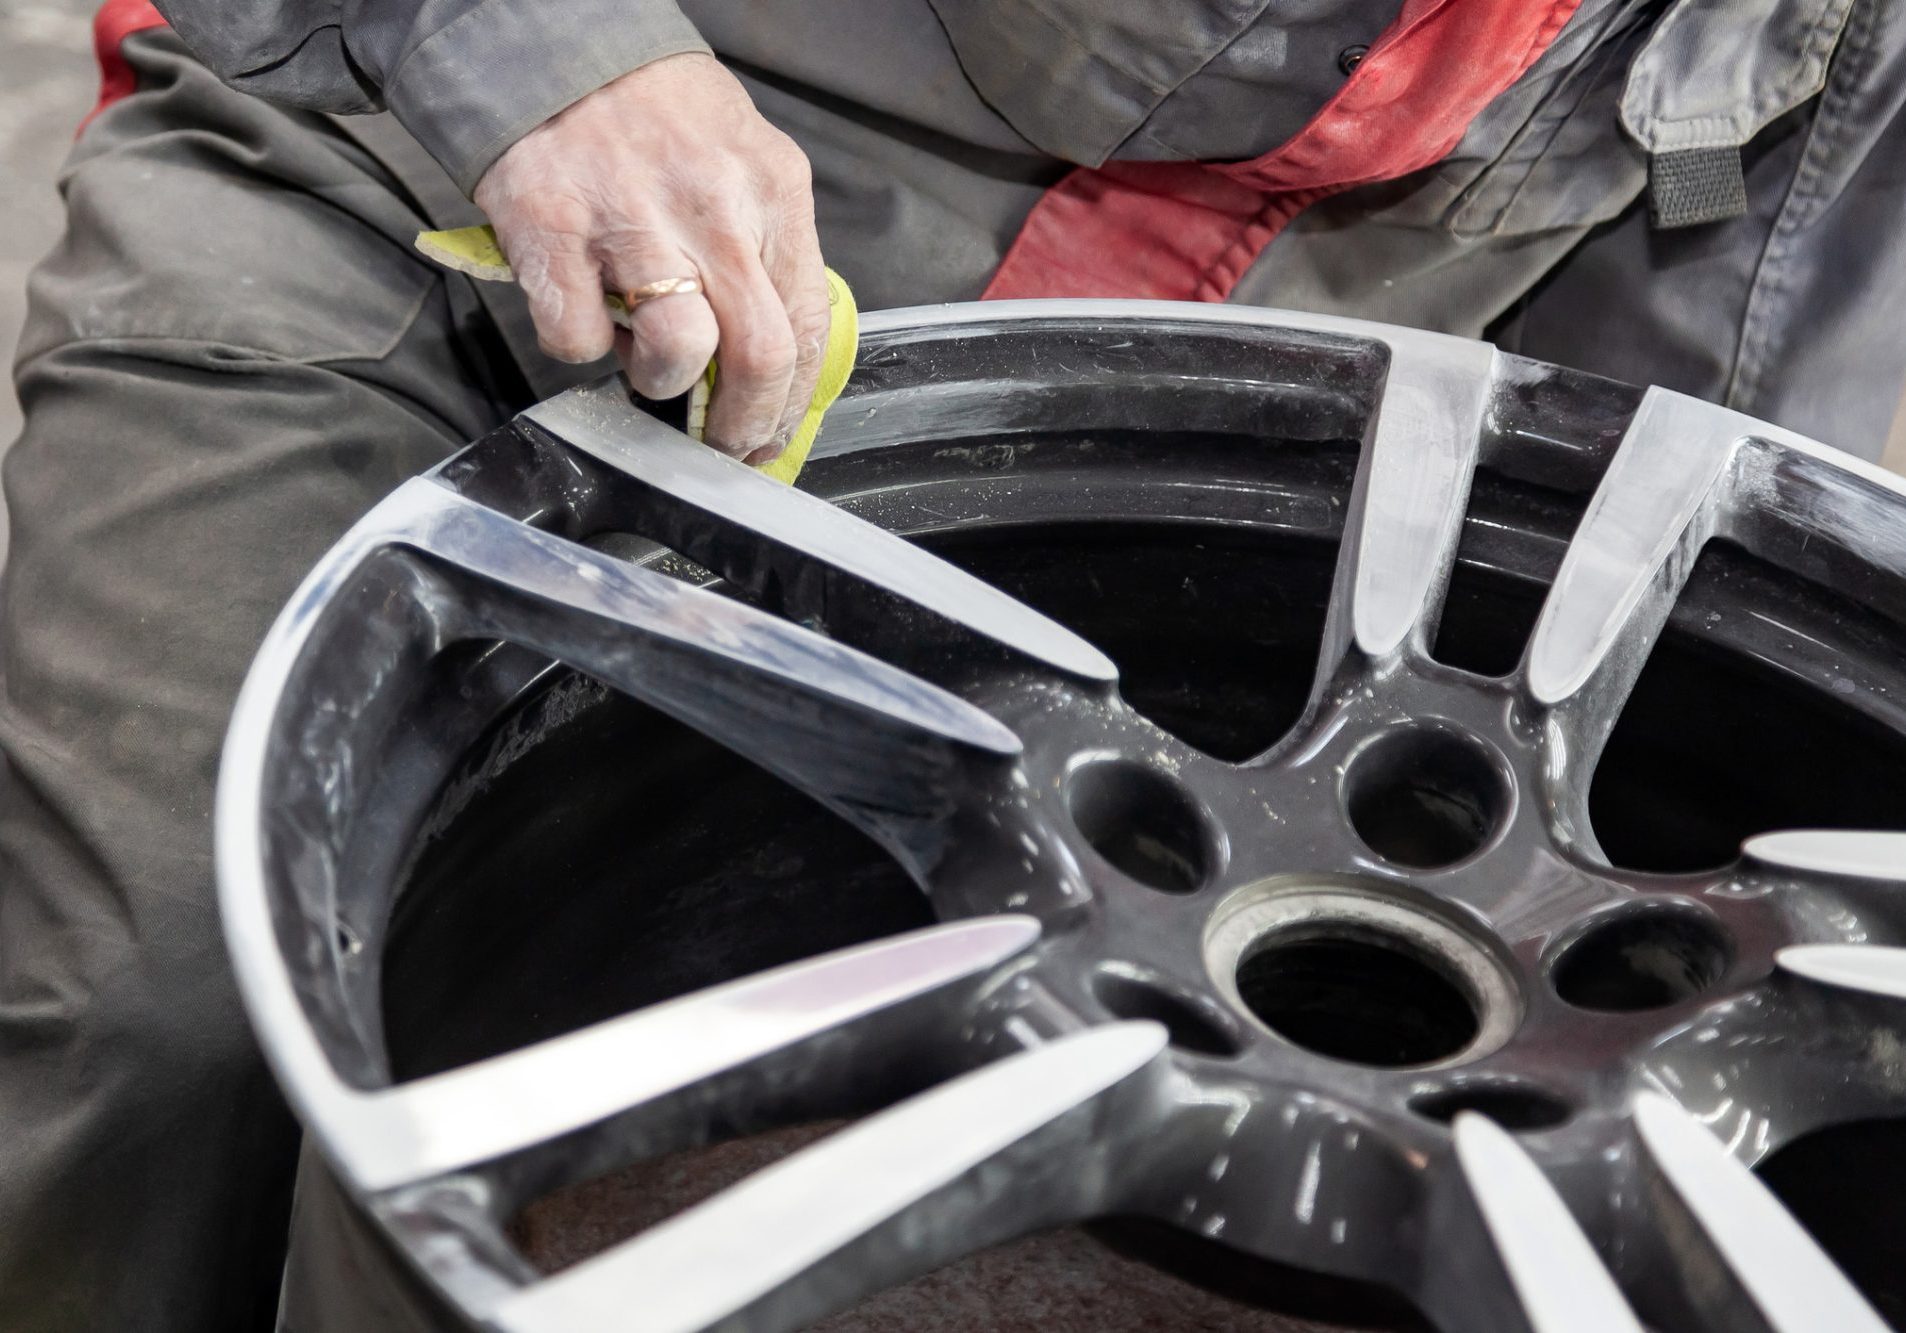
[(1365, 997), (1357, 971)]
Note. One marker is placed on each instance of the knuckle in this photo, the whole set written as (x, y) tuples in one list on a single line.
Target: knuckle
[(791, 197), (805, 378), (564, 220), (718, 212), (763, 353), (675, 335), (811, 329), (787, 164), (630, 232)]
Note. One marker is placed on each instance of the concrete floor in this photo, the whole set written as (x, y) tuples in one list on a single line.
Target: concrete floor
[(47, 82)]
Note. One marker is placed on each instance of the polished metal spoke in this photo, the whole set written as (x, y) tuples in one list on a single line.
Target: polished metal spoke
[(487, 1110), (1858, 865), (1407, 506), (1872, 968), (1008, 1148), (756, 532), (1559, 1280), (1636, 545), (1762, 1270), (1868, 854), (887, 751)]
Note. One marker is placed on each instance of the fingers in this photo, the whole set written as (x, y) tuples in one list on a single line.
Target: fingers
[(673, 341), (563, 283), (793, 261), (763, 314), (671, 172), (756, 353), (672, 337)]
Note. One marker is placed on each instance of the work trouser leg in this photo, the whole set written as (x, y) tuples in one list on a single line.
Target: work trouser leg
[(232, 354)]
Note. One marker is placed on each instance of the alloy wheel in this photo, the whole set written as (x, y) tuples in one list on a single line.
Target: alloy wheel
[(1374, 1000)]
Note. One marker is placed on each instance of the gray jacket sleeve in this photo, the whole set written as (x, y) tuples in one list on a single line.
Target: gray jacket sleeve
[(467, 77)]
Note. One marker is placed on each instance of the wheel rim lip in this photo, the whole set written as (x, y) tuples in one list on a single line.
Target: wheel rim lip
[(322, 1097)]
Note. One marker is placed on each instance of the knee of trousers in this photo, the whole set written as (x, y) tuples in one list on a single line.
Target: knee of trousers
[(198, 213)]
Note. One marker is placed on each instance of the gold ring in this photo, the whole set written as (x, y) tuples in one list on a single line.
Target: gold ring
[(655, 291)]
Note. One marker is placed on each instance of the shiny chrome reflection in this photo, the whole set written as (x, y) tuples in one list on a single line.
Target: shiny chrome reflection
[(727, 496), (482, 1111), (896, 1195), (1742, 1231), (1634, 549), (1557, 1276), (1878, 969), (1853, 853), (1406, 511)]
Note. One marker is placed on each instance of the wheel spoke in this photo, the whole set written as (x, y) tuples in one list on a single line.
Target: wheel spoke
[(1782, 1281), (1859, 869), (1406, 510), (757, 533), (1839, 853), (1873, 968), (488, 1110), (1655, 509), (1006, 1149), (884, 749), (1558, 1278)]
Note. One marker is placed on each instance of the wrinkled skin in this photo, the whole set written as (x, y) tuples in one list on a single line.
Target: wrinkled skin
[(670, 172)]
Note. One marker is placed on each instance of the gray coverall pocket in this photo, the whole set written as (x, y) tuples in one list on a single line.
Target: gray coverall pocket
[(200, 217), (1712, 77), (1078, 77), (1572, 144)]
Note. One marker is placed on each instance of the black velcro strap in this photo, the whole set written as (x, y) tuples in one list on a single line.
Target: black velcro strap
[(1695, 185)]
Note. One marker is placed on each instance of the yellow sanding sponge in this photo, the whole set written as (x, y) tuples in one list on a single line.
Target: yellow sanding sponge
[(474, 250)]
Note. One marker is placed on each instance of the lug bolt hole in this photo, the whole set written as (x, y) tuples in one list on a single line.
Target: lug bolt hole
[(1142, 823), (1425, 798), (1365, 997), (1186, 1023), (1641, 960), (1514, 1106)]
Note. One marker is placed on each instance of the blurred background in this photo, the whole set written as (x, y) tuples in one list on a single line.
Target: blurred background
[(47, 83)]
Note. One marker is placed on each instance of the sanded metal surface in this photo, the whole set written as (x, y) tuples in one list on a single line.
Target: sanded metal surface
[(1558, 1278), (723, 496), (486, 1110), (1745, 1234), (763, 1248)]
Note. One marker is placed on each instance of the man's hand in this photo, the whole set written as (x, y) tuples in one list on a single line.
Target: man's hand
[(670, 172)]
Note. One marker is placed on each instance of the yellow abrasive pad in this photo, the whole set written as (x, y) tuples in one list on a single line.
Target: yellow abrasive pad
[(474, 250)]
